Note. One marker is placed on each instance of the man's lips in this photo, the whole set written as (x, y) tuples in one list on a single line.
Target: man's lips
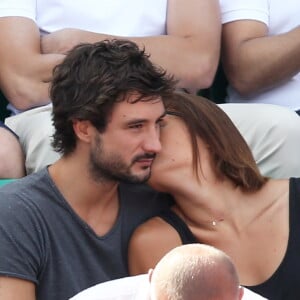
[(145, 161)]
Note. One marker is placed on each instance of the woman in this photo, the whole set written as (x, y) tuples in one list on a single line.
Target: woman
[(221, 199)]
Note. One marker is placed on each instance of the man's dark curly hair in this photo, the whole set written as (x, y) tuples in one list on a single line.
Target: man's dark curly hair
[(93, 77)]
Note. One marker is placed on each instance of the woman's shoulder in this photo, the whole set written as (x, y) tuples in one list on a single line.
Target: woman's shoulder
[(154, 231), (149, 242)]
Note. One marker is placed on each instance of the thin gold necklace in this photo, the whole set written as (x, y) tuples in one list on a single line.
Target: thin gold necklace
[(213, 223)]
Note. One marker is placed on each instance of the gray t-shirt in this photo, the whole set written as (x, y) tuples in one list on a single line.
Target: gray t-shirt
[(44, 241)]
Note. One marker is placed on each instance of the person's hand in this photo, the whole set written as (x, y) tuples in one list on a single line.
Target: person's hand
[(62, 41)]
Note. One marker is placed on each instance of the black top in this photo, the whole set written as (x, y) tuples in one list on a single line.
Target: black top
[(284, 284)]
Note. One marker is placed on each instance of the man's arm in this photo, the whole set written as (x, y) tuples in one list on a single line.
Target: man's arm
[(16, 289), (190, 50), (24, 72), (254, 61)]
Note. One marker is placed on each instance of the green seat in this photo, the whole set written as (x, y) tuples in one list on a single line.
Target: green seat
[(6, 181), (3, 114)]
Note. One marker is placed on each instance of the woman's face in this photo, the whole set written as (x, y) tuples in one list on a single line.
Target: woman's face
[(175, 155)]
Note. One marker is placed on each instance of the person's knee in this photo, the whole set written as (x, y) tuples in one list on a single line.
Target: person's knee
[(273, 134), (284, 140), (35, 131), (11, 156)]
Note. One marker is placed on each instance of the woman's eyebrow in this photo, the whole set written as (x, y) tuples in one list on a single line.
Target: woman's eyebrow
[(173, 113)]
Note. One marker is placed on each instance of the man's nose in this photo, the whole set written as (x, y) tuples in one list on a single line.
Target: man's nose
[(152, 142)]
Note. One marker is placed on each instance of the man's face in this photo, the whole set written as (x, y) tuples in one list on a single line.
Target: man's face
[(130, 142)]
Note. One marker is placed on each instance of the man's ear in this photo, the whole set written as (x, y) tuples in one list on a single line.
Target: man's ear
[(150, 272), (83, 130)]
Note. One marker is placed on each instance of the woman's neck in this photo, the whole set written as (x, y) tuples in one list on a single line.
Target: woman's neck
[(206, 204)]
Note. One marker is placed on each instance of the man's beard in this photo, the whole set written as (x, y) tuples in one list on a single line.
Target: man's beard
[(110, 166)]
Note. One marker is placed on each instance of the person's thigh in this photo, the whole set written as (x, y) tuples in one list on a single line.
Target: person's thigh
[(273, 134), (34, 128)]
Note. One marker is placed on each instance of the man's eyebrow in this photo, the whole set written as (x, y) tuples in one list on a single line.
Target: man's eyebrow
[(140, 120), (136, 120)]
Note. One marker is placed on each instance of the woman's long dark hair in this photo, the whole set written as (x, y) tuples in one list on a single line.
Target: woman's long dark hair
[(231, 156)]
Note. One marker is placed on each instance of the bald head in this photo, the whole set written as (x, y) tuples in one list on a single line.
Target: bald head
[(195, 271)]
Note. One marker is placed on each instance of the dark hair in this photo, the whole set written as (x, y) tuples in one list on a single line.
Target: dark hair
[(231, 156), (93, 77)]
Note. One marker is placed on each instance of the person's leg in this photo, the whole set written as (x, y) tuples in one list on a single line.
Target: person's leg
[(11, 155), (273, 134), (34, 128)]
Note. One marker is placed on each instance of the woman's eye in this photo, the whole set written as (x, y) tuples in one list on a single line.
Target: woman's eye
[(162, 123)]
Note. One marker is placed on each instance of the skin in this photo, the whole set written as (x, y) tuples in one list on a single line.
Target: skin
[(124, 160), (13, 167), (205, 268), (25, 73), (255, 61), (252, 223), (132, 130), (193, 28)]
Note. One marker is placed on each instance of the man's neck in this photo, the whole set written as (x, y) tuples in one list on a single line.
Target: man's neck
[(96, 203)]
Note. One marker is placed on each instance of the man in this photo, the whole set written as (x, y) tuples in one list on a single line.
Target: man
[(195, 272), (181, 36), (261, 51), (187, 272), (67, 227)]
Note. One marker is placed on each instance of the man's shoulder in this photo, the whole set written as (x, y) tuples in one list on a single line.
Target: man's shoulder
[(137, 189), (26, 181), (142, 195), (138, 203), (142, 190), (26, 188)]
